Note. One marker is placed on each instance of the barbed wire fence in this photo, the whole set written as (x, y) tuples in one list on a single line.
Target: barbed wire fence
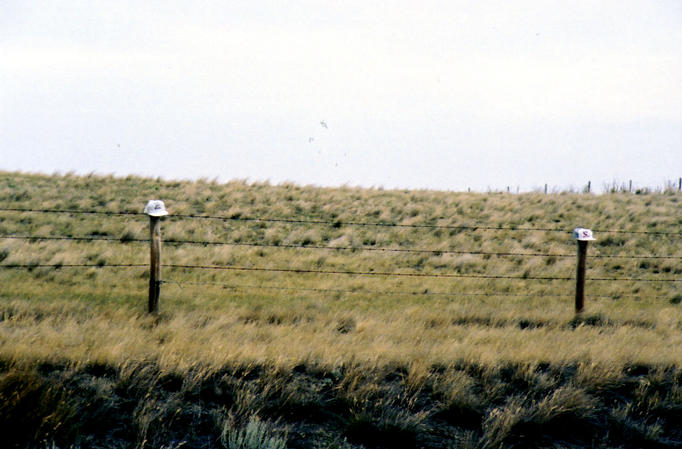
[(477, 227)]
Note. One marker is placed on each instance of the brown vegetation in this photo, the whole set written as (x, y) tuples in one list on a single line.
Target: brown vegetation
[(337, 360)]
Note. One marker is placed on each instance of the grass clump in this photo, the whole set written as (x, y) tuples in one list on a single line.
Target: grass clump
[(256, 434), (140, 405)]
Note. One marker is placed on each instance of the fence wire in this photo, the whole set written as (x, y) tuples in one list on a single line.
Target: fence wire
[(425, 292), (327, 248), (57, 266), (410, 274), (330, 272), (338, 223)]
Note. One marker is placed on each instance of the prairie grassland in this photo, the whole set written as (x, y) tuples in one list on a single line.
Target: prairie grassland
[(285, 318), (448, 336)]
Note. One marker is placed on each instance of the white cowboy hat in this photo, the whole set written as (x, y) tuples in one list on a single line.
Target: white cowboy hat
[(155, 208)]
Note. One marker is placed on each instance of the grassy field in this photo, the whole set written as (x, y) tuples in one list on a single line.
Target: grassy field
[(485, 351)]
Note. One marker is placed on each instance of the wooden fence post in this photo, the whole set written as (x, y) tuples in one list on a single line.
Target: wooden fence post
[(155, 209), (580, 277), (583, 236), (155, 264)]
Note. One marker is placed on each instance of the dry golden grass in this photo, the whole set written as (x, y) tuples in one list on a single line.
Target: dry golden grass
[(289, 336), (85, 314), (345, 361)]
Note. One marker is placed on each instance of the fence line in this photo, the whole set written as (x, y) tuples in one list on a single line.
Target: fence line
[(336, 223), (70, 211), (362, 273), (155, 278), (58, 266), (474, 227), (363, 291), (332, 272), (398, 274), (393, 292), (425, 292), (335, 248)]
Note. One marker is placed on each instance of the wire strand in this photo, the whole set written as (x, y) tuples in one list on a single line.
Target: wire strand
[(71, 265), (331, 248), (362, 273), (70, 211), (77, 238), (57, 266), (392, 274), (333, 272), (425, 292), (474, 227), (379, 292), (337, 223)]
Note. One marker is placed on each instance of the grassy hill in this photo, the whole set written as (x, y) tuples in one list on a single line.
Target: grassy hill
[(336, 317)]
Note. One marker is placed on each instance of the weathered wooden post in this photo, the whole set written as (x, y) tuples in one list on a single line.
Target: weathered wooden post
[(582, 236), (155, 209)]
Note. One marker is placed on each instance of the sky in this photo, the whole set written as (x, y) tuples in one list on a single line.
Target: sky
[(447, 95)]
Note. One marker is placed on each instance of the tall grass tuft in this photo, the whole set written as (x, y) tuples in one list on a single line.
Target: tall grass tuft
[(256, 434)]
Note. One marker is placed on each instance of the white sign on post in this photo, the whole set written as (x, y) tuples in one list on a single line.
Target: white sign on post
[(583, 234)]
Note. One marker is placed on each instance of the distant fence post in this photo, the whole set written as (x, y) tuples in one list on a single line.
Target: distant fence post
[(155, 209), (679, 185), (582, 236)]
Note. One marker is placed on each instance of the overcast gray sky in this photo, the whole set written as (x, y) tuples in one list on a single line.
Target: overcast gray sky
[(432, 94)]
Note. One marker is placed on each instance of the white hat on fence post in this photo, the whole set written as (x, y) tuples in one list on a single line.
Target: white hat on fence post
[(155, 208), (583, 234)]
